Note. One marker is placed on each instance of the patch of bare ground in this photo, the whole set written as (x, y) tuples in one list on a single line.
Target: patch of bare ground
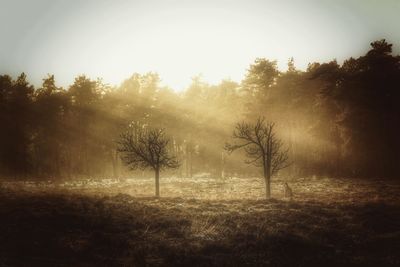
[(330, 222)]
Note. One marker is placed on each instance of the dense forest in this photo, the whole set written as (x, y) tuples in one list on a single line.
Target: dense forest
[(335, 119)]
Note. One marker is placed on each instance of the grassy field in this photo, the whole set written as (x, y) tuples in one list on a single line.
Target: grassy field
[(200, 222)]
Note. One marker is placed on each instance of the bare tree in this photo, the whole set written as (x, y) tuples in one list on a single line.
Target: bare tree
[(144, 148), (262, 147)]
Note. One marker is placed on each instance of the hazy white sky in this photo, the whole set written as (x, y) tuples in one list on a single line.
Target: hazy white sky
[(181, 38)]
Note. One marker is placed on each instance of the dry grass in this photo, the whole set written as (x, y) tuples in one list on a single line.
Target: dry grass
[(200, 222)]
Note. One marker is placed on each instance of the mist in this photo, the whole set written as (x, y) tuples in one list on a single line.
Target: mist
[(154, 133)]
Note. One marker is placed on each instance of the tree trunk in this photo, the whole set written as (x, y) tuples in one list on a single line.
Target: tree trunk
[(157, 171), (268, 189), (267, 178)]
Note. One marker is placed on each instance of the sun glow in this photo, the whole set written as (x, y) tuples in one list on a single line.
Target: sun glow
[(178, 43), (177, 39)]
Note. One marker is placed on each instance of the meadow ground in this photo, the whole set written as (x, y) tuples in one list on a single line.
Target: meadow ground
[(200, 222)]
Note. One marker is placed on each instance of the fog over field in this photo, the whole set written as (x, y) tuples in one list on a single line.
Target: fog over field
[(199, 133)]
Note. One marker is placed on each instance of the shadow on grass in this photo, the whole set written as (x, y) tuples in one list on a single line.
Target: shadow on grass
[(55, 229)]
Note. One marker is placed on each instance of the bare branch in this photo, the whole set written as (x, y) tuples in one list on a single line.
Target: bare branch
[(260, 144), (143, 148)]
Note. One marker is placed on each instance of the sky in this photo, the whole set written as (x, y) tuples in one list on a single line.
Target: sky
[(179, 39)]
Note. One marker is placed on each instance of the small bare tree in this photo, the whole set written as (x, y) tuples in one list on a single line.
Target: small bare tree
[(262, 147), (143, 148)]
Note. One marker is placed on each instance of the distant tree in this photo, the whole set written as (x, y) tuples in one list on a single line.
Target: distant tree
[(259, 82), (142, 148), (85, 96), (49, 136), (262, 147), (362, 99), (16, 97), (260, 77)]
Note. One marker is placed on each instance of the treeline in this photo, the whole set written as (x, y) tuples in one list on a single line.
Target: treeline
[(337, 120)]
